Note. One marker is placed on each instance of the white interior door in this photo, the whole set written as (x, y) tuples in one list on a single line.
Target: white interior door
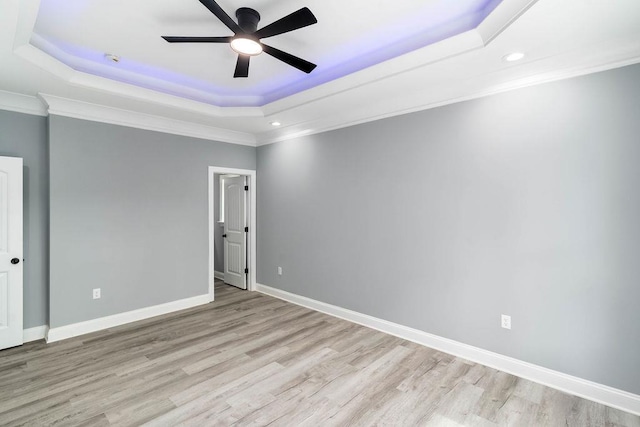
[(235, 236), (10, 252)]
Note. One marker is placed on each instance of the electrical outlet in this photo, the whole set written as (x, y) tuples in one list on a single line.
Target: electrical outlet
[(279, 271), (96, 293), (506, 321)]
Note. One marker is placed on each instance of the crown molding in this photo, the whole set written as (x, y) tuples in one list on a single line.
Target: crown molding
[(611, 58), (68, 69), (27, 15), (88, 73), (82, 110), (504, 13), (40, 54), (497, 21), (99, 113), (314, 110), (421, 58), (501, 18), (22, 103), (73, 77), (153, 97)]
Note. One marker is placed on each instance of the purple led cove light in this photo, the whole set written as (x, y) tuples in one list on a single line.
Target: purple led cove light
[(445, 19), (88, 56), (345, 63)]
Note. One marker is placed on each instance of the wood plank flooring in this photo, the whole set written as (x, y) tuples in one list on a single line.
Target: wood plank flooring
[(249, 359)]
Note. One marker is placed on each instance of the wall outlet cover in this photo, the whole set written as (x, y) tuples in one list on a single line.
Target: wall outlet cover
[(96, 293), (506, 321)]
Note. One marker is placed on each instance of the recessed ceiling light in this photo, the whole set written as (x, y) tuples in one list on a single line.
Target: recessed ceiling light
[(275, 123), (246, 46), (111, 57), (512, 57)]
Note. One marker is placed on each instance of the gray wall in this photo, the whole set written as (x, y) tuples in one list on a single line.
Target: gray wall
[(129, 213), (524, 203), (23, 135)]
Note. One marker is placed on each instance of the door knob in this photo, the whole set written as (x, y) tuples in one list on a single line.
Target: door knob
[(15, 261), (224, 235)]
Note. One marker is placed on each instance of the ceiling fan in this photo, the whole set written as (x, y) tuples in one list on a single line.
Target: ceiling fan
[(246, 40)]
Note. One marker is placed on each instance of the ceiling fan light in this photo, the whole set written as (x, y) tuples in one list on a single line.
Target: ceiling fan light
[(246, 46)]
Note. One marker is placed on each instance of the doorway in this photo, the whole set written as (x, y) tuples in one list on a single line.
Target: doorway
[(239, 242)]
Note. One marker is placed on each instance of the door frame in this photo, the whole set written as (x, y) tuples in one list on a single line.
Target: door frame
[(251, 174)]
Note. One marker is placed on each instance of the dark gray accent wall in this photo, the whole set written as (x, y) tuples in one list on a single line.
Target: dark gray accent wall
[(129, 215), (525, 203), (23, 135)]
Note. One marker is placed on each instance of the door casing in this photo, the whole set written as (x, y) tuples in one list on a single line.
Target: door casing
[(251, 210)]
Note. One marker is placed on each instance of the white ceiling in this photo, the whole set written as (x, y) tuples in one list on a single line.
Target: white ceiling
[(347, 37), (375, 59)]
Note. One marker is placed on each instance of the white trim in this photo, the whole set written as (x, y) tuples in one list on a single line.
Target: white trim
[(211, 198), (25, 47), (100, 113), (609, 54), (501, 18), (93, 325), (450, 47), (577, 386), (348, 119), (20, 103), (218, 275), (142, 85), (251, 285), (34, 334)]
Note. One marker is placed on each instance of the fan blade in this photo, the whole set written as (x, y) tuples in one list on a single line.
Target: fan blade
[(294, 61), (180, 39), (298, 19), (242, 66), (222, 15)]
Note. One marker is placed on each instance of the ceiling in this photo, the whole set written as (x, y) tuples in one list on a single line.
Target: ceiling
[(375, 59), (346, 39)]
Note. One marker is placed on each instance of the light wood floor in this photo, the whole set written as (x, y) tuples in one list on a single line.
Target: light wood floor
[(249, 359)]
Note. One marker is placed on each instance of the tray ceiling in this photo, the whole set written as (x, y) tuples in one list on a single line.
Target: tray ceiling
[(52, 53), (349, 36)]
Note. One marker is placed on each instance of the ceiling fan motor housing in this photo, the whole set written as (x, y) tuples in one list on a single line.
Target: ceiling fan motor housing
[(248, 19)]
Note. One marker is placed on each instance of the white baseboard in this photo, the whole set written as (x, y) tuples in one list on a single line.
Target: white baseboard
[(218, 275), (573, 385), (81, 328), (34, 334)]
